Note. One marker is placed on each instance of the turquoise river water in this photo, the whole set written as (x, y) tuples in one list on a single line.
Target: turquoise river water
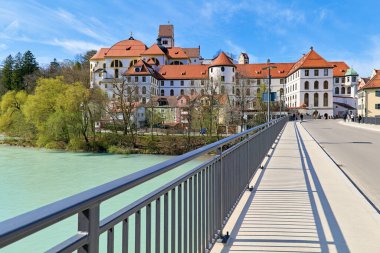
[(31, 178)]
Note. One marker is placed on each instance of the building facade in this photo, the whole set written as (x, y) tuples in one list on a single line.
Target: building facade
[(369, 96)]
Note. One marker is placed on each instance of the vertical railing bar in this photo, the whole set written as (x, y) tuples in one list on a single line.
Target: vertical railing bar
[(185, 218), (179, 222), (200, 212), (195, 229), (148, 222), (166, 223), (88, 222), (158, 226), (173, 214), (125, 235), (110, 240), (191, 212), (138, 231)]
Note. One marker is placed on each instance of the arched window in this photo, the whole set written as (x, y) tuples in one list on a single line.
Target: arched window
[(316, 102), (162, 93), (325, 85), (349, 90), (281, 92), (144, 90), (306, 99), (237, 92), (136, 90), (144, 100), (316, 85), (343, 90), (133, 62), (325, 99), (222, 69), (156, 61), (116, 64), (337, 90), (202, 92), (222, 89), (248, 92), (192, 92), (176, 63), (171, 92), (182, 92)]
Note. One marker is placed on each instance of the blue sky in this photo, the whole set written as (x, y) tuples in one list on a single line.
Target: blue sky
[(277, 29)]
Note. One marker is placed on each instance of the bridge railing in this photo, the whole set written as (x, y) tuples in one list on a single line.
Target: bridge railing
[(190, 210)]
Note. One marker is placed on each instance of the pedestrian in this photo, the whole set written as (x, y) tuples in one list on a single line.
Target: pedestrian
[(352, 117), (360, 118), (301, 117)]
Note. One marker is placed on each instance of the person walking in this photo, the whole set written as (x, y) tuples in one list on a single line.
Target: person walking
[(301, 116), (360, 118)]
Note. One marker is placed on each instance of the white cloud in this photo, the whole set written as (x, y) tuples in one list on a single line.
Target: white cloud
[(75, 46), (3, 46)]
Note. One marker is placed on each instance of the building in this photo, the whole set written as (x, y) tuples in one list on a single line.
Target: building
[(369, 95), (312, 84)]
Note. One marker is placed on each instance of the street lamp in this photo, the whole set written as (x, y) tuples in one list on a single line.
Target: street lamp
[(269, 67)]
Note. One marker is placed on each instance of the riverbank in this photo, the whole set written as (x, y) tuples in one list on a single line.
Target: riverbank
[(157, 145)]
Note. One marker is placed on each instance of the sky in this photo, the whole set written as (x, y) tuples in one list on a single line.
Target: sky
[(281, 30)]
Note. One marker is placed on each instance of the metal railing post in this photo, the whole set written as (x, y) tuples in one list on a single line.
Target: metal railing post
[(88, 222)]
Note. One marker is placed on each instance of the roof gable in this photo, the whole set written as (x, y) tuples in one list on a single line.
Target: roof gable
[(310, 60), (222, 60), (153, 50), (166, 31)]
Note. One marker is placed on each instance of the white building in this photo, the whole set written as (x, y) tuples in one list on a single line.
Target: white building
[(309, 85)]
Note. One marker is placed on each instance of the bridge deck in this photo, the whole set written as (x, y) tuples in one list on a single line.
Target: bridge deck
[(302, 202)]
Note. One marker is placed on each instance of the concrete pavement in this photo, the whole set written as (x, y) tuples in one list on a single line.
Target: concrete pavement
[(302, 202)]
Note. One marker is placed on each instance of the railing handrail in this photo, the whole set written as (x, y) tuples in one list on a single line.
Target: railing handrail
[(25, 224)]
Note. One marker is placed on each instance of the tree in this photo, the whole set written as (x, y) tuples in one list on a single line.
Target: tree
[(12, 119), (29, 63), (17, 74), (6, 73)]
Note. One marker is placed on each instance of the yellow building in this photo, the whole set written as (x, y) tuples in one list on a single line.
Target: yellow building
[(369, 96)]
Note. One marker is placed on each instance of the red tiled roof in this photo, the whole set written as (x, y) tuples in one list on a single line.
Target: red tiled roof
[(256, 70), (144, 69), (310, 60), (374, 82), (166, 31), (340, 68), (126, 48), (362, 82), (177, 53), (100, 54), (222, 60), (192, 52), (184, 72), (153, 50), (151, 62)]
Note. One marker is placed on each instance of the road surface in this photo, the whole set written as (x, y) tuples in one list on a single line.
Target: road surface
[(356, 151)]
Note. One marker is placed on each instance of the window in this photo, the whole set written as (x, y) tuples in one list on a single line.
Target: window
[(306, 72), (136, 90), (248, 92), (136, 79), (306, 85), (343, 79), (100, 74), (144, 90), (202, 92), (162, 83), (182, 92), (222, 78), (325, 85), (348, 90), (354, 79), (222, 69), (104, 65), (182, 83), (192, 92), (281, 81), (306, 99), (165, 42), (143, 101), (336, 79), (162, 93), (377, 106), (222, 89), (133, 62), (211, 70), (343, 90), (105, 85), (325, 99), (316, 102), (116, 73), (377, 93), (237, 92), (281, 91), (144, 79), (202, 82), (171, 92), (348, 79), (116, 64), (233, 79), (192, 82), (258, 91), (316, 72), (326, 72), (156, 62), (316, 85), (337, 90), (171, 83)]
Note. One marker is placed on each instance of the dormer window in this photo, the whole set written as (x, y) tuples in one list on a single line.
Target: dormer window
[(137, 69), (165, 42)]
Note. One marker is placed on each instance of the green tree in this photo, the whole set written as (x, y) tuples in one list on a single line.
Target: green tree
[(18, 73), (29, 63), (6, 73), (12, 119)]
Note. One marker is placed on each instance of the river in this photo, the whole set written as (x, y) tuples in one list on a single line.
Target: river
[(31, 178)]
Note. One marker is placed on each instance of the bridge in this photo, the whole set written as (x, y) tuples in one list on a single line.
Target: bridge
[(272, 188)]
